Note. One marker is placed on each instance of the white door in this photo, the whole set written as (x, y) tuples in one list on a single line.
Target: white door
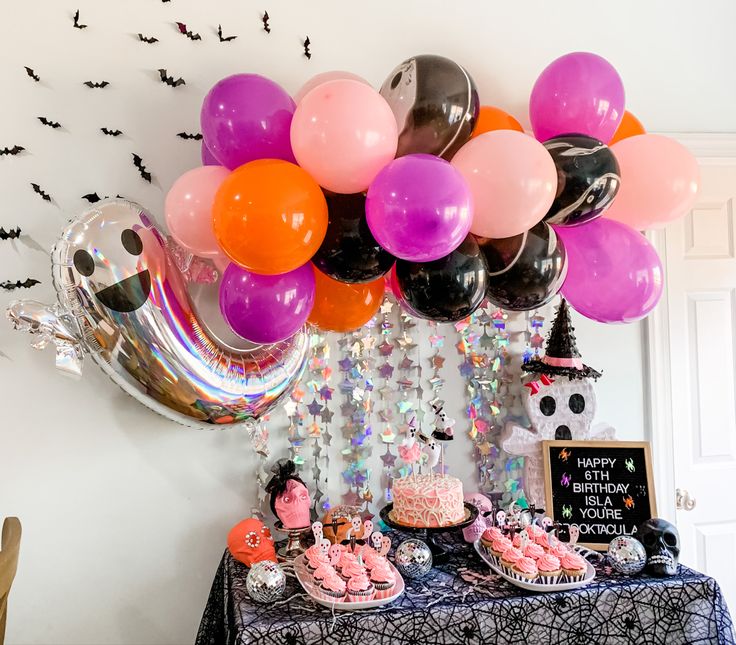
[(698, 321)]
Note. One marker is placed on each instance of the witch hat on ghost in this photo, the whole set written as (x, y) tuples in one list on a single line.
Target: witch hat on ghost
[(561, 355)]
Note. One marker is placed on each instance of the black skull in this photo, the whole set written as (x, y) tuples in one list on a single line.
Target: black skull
[(662, 543)]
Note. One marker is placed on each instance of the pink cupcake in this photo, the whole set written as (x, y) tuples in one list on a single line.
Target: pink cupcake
[(371, 558), (525, 569), (345, 559), (499, 545), (534, 531), (516, 541), (316, 560), (353, 568), (333, 588), (489, 535), (323, 571), (542, 540), (574, 566), (360, 588), (510, 557), (549, 569), (559, 551), (533, 551), (383, 580)]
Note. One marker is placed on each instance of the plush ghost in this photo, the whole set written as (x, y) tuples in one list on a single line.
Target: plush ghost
[(250, 541)]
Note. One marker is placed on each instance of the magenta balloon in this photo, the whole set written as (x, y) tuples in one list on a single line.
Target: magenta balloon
[(266, 308), (419, 208), (208, 159), (614, 274), (246, 117), (579, 93)]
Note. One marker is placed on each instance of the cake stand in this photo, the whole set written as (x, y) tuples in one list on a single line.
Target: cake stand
[(296, 541), (427, 534)]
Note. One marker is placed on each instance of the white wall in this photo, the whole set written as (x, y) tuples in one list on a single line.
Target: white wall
[(124, 513)]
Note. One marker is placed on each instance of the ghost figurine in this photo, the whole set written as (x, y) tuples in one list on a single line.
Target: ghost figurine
[(290, 501), (433, 450), (480, 524), (559, 401)]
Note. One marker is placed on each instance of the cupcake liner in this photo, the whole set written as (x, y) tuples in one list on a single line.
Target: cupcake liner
[(362, 596), (331, 596), (574, 576), (384, 593)]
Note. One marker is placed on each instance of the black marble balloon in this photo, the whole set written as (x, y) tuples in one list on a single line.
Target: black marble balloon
[(349, 252), (444, 290), (435, 103), (524, 271), (588, 179)]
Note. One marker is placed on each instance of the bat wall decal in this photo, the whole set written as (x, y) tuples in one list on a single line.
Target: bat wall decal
[(15, 150), (187, 135), (138, 163), (307, 44), (169, 80), (12, 234), (51, 124), (111, 133), (25, 284), (41, 192), (224, 39), (189, 34), (100, 85), (33, 74), (92, 198), (77, 25), (266, 26), (149, 40)]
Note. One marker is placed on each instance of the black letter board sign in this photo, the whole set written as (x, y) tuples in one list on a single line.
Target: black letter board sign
[(605, 487)]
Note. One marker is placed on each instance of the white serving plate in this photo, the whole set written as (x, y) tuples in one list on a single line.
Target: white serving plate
[(534, 586), (307, 582)]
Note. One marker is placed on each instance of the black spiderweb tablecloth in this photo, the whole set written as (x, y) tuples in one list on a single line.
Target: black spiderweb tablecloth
[(462, 603)]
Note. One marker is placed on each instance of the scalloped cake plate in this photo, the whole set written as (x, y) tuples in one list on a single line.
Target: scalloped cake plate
[(534, 586), (307, 582)]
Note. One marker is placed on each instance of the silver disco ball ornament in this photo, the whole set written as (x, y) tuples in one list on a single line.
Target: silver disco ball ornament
[(627, 555), (413, 558), (266, 581)]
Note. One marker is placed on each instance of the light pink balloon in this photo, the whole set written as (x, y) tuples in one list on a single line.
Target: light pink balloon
[(343, 132), (659, 181), (513, 181), (324, 77), (188, 209)]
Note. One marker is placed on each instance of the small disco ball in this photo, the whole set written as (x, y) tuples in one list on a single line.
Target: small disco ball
[(265, 582), (627, 555), (413, 558)]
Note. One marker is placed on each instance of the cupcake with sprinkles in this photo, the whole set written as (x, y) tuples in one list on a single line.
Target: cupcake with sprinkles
[(574, 566), (549, 569), (525, 569)]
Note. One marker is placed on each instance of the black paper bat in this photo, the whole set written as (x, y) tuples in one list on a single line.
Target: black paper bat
[(41, 192), (147, 39), (76, 21), (111, 133), (187, 135), (26, 284), (15, 150), (33, 74), (138, 163), (225, 39), (100, 85), (51, 124), (92, 198), (307, 43), (12, 234), (169, 80), (266, 26), (189, 34)]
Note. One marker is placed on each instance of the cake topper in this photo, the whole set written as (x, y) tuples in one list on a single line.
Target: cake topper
[(290, 500)]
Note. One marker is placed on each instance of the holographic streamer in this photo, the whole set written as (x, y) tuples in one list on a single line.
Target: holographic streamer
[(442, 426), (408, 384), (259, 435), (386, 395)]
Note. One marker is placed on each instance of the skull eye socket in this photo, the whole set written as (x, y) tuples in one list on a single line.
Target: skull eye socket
[(670, 539), (84, 263), (649, 539), (547, 406), (131, 241), (577, 403), (395, 80)]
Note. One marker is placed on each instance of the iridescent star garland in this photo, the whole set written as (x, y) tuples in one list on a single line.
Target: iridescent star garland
[(258, 433), (409, 386), (441, 423), (384, 406)]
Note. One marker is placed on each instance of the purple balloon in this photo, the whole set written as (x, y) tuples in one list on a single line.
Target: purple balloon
[(579, 93), (419, 208), (246, 117), (208, 159), (266, 308), (614, 274)]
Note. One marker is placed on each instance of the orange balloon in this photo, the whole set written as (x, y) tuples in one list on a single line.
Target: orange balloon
[(630, 126), (269, 216), (339, 306), (493, 118)]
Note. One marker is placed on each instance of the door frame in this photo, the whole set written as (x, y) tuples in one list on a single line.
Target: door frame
[(709, 149)]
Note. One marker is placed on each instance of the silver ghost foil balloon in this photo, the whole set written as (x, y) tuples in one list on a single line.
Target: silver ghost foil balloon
[(123, 301)]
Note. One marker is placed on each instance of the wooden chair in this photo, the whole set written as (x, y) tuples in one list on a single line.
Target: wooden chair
[(8, 564)]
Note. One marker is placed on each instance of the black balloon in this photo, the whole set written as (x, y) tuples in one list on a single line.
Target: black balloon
[(588, 178), (524, 271), (349, 252), (444, 290), (435, 103)]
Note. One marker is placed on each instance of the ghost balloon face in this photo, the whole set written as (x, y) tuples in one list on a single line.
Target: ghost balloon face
[(483, 504), (292, 506), (562, 410)]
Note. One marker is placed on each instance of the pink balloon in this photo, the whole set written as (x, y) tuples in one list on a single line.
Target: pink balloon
[(578, 93), (343, 132), (614, 274), (324, 77), (659, 181), (188, 209), (513, 181)]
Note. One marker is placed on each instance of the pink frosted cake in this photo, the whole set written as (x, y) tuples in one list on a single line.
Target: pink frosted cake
[(428, 500)]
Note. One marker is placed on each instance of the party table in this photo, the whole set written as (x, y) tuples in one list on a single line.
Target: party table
[(462, 602)]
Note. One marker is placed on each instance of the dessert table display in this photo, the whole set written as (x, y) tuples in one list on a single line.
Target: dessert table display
[(461, 601)]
